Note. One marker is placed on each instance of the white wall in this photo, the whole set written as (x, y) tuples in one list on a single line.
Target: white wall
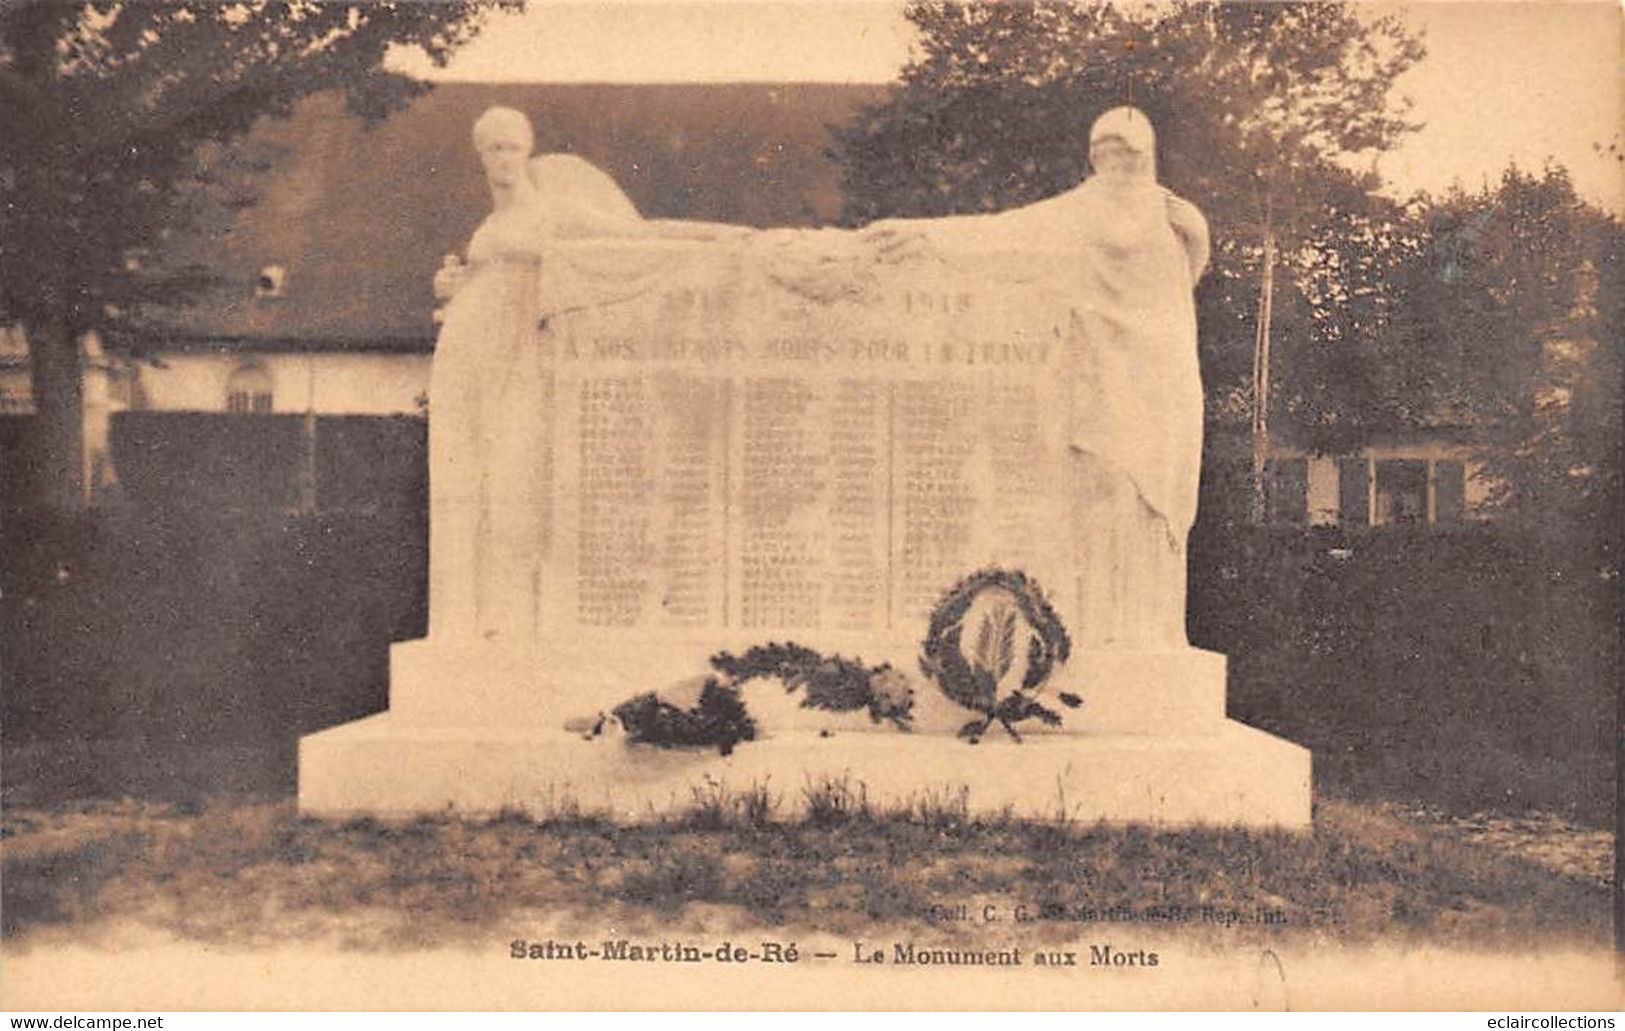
[(332, 384)]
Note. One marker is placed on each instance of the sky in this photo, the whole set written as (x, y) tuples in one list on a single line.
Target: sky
[(1509, 80)]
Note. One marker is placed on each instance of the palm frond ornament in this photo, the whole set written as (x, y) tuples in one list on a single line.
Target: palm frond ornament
[(1015, 643)]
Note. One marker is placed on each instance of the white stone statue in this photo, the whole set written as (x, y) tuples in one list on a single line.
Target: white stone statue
[(488, 393), (1126, 253), (1137, 412), (488, 504)]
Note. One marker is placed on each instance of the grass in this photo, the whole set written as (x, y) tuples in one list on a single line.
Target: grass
[(246, 873)]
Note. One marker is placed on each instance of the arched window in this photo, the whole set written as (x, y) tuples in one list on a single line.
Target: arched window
[(248, 391)]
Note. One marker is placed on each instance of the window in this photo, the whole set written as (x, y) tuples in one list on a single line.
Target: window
[(1402, 492), (1449, 492), (270, 281), (1353, 492), (1286, 491), (248, 391)]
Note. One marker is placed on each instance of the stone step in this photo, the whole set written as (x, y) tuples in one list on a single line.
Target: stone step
[(1232, 775)]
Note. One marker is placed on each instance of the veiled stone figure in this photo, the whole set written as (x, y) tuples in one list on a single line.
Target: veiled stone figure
[(1125, 253), (1137, 406)]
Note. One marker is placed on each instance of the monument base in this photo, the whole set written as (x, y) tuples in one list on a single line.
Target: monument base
[(1229, 774)]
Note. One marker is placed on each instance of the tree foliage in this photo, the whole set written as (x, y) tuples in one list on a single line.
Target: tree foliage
[(1252, 102), (1517, 302), (1262, 112), (102, 108), (1493, 314)]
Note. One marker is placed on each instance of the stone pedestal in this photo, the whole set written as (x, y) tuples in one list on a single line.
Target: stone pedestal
[(1151, 745), (1229, 775)]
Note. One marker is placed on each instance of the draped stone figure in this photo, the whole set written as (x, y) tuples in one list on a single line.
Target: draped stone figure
[(1125, 254), (488, 505), (1137, 403), (490, 392)]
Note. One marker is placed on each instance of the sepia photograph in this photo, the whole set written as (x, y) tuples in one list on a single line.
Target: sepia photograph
[(807, 505)]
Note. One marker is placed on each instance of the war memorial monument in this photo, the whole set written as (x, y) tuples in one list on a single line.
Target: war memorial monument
[(902, 509)]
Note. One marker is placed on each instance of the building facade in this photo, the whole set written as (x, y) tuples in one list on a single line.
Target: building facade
[(1431, 484)]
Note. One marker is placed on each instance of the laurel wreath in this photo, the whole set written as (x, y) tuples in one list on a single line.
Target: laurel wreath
[(973, 682)]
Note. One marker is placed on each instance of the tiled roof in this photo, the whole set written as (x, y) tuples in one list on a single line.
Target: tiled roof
[(360, 219)]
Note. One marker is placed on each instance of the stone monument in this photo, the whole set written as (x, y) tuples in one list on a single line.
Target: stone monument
[(651, 442)]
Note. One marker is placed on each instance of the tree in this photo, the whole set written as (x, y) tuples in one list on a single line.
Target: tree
[(1517, 301), (1351, 368), (102, 107), (1498, 311), (1261, 109)]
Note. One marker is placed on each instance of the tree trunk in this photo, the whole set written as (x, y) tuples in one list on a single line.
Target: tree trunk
[(1261, 378), (57, 462)]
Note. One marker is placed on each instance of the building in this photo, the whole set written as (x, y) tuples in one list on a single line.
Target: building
[(1432, 476), (1430, 480), (323, 305)]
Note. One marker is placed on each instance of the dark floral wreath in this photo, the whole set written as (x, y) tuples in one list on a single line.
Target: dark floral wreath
[(719, 719), (973, 683), (832, 683)]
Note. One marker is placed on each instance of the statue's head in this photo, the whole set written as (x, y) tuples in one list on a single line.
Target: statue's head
[(1123, 146), (504, 141)]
